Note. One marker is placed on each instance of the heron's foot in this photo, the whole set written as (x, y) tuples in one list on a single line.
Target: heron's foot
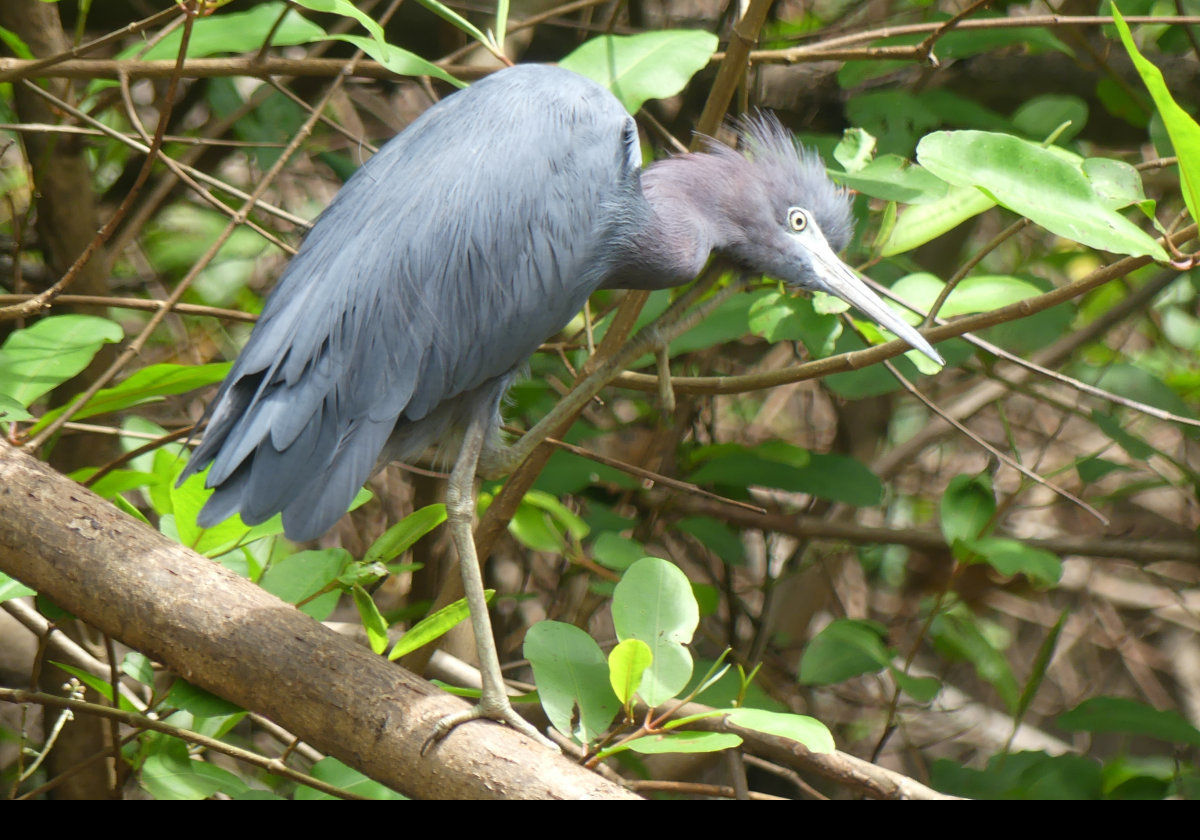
[(501, 712)]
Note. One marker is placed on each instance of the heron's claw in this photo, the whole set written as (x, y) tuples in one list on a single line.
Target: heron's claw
[(501, 713)]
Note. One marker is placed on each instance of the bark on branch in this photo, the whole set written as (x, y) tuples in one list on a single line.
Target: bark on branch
[(224, 633)]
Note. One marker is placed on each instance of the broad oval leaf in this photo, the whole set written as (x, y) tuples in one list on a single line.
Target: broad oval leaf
[(1041, 116), (654, 603), (925, 222), (845, 648), (1012, 557), (42, 356), (146, 385), (1039, 183), (653, 65), (809, 731), (967, 507), (1118, 714), (571, 674), (298, 577), (978, 293), (893, 178), (627, 662)]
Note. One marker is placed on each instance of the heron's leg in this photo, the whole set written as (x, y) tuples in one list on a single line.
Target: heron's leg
[(666, 393), (460, 511)]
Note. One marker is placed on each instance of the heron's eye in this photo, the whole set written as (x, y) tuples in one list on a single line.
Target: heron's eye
[(797, 219)]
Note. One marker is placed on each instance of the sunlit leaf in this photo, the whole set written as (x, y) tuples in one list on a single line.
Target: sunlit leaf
[(654, 603), (652, 65), (572, 677)]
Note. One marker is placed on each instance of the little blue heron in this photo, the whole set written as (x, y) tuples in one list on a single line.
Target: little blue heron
[(442, 264)]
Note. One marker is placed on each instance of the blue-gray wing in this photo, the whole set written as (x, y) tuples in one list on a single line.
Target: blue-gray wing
[(437, 270)]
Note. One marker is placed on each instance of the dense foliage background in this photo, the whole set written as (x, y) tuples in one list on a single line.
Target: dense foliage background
[(985, 577)]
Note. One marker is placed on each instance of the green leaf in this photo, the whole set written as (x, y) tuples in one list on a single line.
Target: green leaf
[(139, 667), (652, 65), (684, 742), (1045, 185), (855, 150), (454, 18), (434, 626), (572, 678), (1183, 130), (399, 61), (925, 222), (921, 689), (1133, 445), (1136, 383), (1094, 469), (787, 467), (42, 356), (893, 178), (560, 513), (1023, 775), (1117, 183), (10, 588), (839, 478), (1041, 664), (845, 648), (1118, 714), (169, 773), (97, 684), (333, 772), (654, 603), (12, 411), (117, 481), (404, 534), (541, 521), (782, 317), (234, 32), (1012, 557), (977, 293), (717, 537), (627, 662), (298, 577), (146, 385), (373, 622), (810, 732), (958, 634), (967, 507), (616, 552), (198, 702), (345, 8), (1039, 117), (19, 48)]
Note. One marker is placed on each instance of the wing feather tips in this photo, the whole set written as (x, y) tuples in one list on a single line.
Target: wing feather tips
[(325, 498)]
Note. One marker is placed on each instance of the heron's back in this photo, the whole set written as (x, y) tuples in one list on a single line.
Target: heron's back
[(434, 274)]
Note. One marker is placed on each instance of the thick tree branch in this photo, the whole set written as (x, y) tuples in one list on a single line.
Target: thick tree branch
[(227, 635)]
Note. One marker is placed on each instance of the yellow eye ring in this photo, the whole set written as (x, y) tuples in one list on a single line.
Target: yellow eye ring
[(797, 219)]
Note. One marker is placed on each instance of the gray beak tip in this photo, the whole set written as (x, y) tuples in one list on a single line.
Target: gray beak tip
[(927, 348), (840, 280)]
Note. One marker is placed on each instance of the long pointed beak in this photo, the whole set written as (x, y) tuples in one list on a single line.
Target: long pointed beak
[(840, 280)]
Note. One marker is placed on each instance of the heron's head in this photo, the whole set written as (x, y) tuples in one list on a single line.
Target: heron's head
[(784, 217)]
